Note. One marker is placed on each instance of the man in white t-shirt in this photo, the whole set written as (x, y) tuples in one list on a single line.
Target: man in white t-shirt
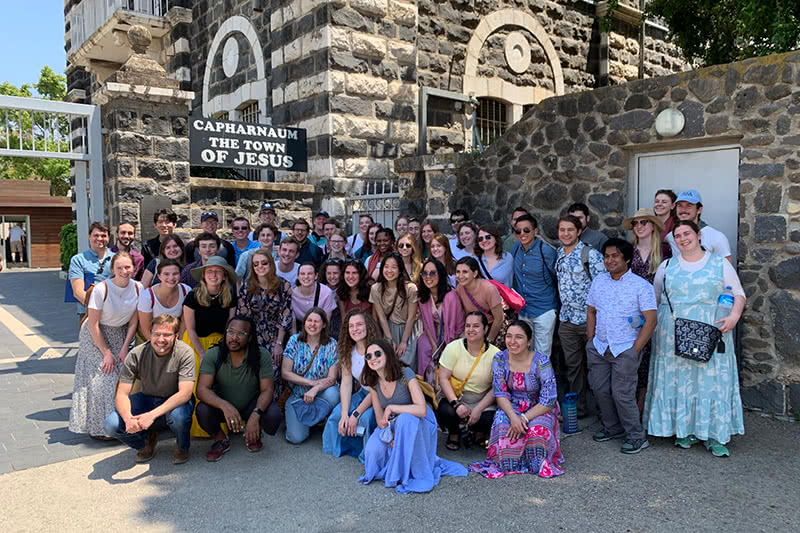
[(285, 267), (689, 206), (16, 235)]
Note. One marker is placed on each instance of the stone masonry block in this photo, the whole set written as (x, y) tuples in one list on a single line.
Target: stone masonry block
[(366, 85), (362, 128), (403, 53), (370, 7), (130, 143), (403, 13), (368, 45)]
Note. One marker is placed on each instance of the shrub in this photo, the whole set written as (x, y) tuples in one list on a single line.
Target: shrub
[(69, 244)]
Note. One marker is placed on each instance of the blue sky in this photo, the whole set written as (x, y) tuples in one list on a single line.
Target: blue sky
[(31, 36)]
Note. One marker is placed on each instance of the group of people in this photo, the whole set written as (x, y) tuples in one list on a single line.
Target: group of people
[(382, 336)]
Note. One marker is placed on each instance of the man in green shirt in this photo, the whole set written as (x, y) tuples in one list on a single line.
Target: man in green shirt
[(235, 388)]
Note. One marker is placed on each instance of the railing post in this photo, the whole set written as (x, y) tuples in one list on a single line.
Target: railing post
[(94, 140)]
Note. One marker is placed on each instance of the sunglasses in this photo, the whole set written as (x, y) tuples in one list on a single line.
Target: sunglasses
[(643, 222), (240, 228), (457, 220), (403, 246), (523, 230), (485, 238), (425, 274), (376, 354)]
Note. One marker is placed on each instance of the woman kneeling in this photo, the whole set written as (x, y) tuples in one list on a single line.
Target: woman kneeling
[(402, 450), (525, 432)]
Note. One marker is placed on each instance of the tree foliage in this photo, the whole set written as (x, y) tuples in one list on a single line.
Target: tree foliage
[(40, 131), (711, 32)]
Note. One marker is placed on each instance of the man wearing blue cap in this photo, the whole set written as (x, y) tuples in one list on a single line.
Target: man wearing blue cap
[(689, 206), (267, 215), (209, 222)]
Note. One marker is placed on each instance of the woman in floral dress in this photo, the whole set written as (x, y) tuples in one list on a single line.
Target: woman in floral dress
[(525, 437)]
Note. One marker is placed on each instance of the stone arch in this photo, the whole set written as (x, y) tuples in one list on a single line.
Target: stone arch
[(499, 88), (255, 90)]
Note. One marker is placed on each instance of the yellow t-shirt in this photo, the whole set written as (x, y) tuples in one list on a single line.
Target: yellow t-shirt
[(458, 360)]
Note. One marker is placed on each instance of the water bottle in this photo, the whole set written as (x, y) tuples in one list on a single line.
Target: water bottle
[(569, 407), (724, 305), (636, 322)]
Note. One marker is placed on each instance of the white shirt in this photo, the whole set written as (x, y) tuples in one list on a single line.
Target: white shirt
[(353, 243), (290, 276), (712, 240), (149, 303), (729, 276), (356, 363), (119, 305), (16, 233)]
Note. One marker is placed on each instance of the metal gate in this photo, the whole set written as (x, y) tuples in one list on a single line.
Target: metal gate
[(378, 198), (32, 127)]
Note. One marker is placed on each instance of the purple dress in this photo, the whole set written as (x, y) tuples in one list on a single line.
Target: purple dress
[(539, 450)]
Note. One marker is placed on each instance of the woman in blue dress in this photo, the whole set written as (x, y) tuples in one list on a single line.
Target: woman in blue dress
[(691, 400), (402, 450), (347, 435)]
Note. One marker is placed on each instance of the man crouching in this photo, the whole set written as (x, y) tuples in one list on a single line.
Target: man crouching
[(165, 368)]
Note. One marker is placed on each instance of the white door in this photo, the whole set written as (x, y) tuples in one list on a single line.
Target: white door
[(713, 172)]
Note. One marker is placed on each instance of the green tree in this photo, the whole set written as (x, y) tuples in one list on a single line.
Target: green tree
[(712, 32), (41, 131)]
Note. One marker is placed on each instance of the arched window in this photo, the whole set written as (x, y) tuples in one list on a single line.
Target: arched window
[(491, 119)]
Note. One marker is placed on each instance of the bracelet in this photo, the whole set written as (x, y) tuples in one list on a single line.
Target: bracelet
[(525, 418), (453, 403)]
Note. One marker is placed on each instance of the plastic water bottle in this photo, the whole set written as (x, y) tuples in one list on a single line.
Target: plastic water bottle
[(569, 407), (724, 305), (636, 322)]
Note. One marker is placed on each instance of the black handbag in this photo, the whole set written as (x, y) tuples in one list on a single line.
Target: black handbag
[(694, 340)]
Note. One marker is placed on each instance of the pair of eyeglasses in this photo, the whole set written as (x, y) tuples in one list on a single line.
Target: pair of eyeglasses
[(642, 222), (403, 246), (240, 228), (485, 238), (428, 274), (237, 334), (376, 354), (336, 241), (525, 230)]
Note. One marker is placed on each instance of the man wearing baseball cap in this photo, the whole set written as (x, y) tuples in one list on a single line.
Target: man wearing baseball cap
[(318, 234), (267, 215), (689, 206), (209, 222)]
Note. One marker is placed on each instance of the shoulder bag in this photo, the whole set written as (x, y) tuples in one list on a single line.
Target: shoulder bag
[(287, 389), (457, 384), (694, 340), (511, 298)]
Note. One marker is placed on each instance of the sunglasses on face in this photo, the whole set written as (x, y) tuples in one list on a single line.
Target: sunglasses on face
[(426, 274), (403, 246), (240, 228), (485, 238), (641, 222), (457, 220), (523, 230), (376, 354)]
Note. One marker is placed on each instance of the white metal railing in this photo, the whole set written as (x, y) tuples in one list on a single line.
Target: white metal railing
[(88, 16), (379, 198)]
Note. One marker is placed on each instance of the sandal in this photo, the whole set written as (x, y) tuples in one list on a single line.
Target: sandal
[(453, 444), (717, 449)]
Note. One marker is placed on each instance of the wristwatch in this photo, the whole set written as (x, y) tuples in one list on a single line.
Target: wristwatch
[(258, 411), (355, 413)]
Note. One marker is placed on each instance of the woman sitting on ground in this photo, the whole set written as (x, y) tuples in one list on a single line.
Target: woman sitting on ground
[(394, 301), (441, 313), (172, 247), (465, 378), (104, 340), (353, 292), (347, 435), (402, 451), (310, 367), (525, 436), (163, 298)]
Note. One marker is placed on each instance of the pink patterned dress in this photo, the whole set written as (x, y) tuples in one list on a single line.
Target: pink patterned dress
[(539, 451)]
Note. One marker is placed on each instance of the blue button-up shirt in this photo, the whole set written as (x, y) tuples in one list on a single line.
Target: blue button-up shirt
[(89, 267), (535, 279), (615, 301), (503, 271), (574, 282), (251, 245)]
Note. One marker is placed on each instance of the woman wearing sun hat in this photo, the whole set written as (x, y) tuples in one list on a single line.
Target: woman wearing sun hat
[(648, 252), (206, 311)]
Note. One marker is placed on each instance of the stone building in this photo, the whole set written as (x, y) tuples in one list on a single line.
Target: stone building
[(370, 80), (739, 145)]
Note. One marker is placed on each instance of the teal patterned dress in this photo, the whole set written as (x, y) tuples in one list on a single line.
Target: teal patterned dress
[(685, 397)]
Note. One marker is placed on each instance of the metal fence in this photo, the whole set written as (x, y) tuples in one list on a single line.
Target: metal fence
[(88, 16), (378, 198)]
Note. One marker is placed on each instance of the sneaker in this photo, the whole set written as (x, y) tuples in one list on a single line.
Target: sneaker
[(686, 442), (631, 446), (149, 450), (218, 449), (717, 449), (180, 456), (603, 436), (255, 446)]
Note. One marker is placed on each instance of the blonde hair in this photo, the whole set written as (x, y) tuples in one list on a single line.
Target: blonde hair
[(272, 278), (416, 256), (655, 249), (203, 297)]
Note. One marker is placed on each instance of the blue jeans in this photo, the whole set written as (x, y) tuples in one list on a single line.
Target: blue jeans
[(179, 420), (296, 431)]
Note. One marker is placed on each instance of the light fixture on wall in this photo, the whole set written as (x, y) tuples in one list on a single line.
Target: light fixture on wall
[(670, 122), (258, 5)]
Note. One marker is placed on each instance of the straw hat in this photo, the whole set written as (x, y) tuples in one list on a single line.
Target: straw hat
[(644, 212), (216, 261)]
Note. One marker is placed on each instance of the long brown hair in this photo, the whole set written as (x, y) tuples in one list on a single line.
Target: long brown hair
[(394, 367), (346, 343), (272, 278), (448, 263), (324, 333)]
